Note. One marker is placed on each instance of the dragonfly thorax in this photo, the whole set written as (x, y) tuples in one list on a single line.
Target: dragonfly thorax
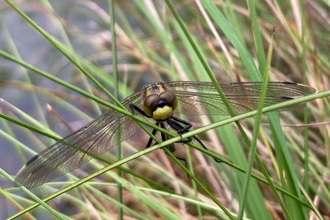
[(160, 106)]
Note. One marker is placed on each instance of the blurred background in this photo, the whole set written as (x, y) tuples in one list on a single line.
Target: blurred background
[(152, 47)]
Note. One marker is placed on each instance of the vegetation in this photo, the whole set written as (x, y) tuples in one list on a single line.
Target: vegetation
[(59, 69)]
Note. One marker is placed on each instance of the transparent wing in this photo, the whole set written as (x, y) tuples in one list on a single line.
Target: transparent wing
[(111, 128), (243, 97), (73, 151)]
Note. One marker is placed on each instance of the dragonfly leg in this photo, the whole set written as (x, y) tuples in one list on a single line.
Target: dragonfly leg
[(150, 139), (177, 126), (183, 129), (201, 143), (135, 108), (180, 130), (171, 147)]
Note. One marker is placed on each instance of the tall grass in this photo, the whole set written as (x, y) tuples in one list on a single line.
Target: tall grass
[(57, 74)]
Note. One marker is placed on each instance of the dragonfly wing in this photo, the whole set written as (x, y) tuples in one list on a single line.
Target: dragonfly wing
[(243, 97), (245, 88), (105, 132)]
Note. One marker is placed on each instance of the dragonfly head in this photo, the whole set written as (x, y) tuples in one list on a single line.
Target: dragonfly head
[(160, 106)]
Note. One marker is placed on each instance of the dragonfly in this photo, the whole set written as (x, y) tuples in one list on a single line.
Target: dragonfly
[(160, 103)]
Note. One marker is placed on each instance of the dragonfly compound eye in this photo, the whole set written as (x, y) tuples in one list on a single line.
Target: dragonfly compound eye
[(150, 103), (170, 99)]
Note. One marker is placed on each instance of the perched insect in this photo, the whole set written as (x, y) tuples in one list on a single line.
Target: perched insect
[(157, 102)]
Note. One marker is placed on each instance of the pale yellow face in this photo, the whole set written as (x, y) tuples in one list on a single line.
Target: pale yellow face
[(162, 114)]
